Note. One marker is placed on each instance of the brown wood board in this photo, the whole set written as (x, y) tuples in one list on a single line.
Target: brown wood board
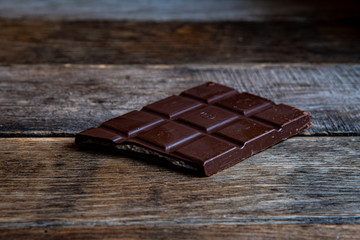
[(60, 100), (47, 182), (129, 42)]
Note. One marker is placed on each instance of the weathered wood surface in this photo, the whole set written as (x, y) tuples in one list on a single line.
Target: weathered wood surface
[(112, 42), (208, 10), (288, 232), (57, 100), (47, 182), (303, 188)]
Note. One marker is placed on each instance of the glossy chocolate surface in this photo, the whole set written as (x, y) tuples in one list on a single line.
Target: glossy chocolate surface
[(207, 128)]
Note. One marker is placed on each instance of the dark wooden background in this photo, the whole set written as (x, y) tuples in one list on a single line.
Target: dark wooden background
[(69, 65)]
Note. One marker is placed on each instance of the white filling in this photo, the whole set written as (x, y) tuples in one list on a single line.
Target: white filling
[(139, 149)]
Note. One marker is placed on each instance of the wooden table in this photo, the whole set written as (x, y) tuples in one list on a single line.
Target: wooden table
[(68, 67)]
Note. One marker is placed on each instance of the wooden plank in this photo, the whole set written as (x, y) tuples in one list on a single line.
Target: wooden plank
[(209, 10), (111, 42), (47, 182), (288, 232), (56, 100)]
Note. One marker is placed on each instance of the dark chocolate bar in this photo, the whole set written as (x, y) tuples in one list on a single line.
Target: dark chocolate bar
[(207, 128)]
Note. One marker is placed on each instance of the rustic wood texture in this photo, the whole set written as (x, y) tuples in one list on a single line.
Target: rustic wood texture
[(47, 182), (304, 188), (248, 10), (112, 42), (288, 232), (48, 100)]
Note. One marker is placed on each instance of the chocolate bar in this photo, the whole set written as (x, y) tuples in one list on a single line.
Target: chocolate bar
[(207, 128)]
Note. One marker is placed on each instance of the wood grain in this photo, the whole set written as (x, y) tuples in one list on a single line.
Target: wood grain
[(209, 10), (47, 182), (303, 188), (298, 232), (112, 42), (60, 100)]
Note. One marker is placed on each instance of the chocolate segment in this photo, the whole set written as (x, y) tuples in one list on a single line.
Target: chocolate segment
[(208, 118), (209, 92), (205, 149), (245, 103), (132, 122), (280, 115), (245, 130), (168, 135), (207, 128), (172, 106)]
